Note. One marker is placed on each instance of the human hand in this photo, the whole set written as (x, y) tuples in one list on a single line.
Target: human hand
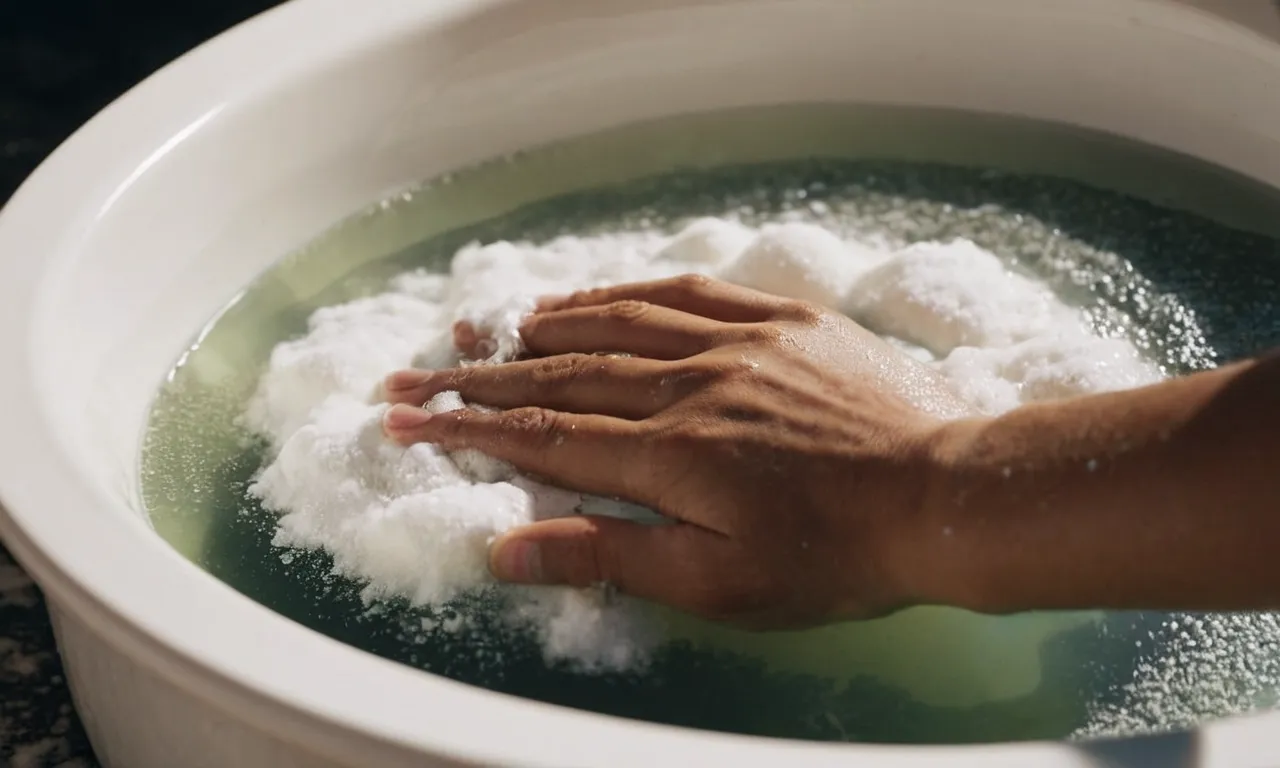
[(790, 448)]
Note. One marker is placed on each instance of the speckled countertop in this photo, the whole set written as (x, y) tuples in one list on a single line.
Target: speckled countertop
[(60, 62), (38, 727)]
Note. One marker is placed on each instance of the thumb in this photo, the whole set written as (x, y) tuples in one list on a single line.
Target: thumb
[(646, 561)]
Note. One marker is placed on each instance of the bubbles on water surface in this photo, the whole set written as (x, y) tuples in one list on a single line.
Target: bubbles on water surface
[(1169, 282), (1191, 667)]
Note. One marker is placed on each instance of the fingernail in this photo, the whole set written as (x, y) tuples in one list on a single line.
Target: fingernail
[(518, 561), (399, 418), (401, 380)]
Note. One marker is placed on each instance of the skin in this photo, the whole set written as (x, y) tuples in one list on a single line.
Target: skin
[(811, 473)]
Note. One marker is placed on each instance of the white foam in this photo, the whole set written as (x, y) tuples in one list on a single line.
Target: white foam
[(800, 260), (708, 241), (416, 522), (944, 296)]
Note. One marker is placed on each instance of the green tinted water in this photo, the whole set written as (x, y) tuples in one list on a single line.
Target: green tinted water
[(1192, 290)]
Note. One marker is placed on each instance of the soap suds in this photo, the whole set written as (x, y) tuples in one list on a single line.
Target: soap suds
[(415, 523), (1193, 664)]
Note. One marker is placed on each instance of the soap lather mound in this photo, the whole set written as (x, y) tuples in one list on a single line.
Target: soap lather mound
[(415, 522)]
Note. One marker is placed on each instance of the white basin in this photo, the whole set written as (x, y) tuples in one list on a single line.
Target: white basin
[(139, 228)]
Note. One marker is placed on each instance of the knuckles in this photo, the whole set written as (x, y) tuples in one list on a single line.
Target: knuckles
[(627, 311), (560, 368), (704, 376), (723, 367), (538, 423), (802, 313), (580, 299), (762, 333), (692, 283), (737, 368)]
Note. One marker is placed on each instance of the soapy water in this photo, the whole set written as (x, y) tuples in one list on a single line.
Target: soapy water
[(415, 523), (1033, 676)]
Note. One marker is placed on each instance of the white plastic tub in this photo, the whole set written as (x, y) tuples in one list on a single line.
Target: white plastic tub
[(143, 225)]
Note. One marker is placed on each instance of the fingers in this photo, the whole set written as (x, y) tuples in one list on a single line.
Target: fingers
[(630, 326), (590, 453), (680, 565), (665, 319), (628, 388), (471, 342), (694, 294)]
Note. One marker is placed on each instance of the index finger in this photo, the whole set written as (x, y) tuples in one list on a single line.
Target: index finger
[(694, 294), (583, 452)]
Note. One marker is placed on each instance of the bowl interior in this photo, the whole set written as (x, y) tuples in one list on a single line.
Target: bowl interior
[(242, 182), (141, 228)]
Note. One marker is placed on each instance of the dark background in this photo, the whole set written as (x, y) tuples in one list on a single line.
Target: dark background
[(60, 62)]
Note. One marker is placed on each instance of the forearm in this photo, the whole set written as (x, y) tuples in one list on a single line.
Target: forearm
[(1161, 497)]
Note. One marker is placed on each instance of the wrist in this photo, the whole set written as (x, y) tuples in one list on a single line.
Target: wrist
[(945, 548)]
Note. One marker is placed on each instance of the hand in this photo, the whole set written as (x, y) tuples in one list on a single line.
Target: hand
[(790, 448)]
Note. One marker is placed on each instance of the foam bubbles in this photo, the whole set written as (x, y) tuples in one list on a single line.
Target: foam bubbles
[(415, 523), (709, 240), (800, 260), (943, 296), (1196, 666)]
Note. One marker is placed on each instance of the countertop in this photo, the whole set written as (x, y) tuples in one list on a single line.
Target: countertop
[(60, 62)]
